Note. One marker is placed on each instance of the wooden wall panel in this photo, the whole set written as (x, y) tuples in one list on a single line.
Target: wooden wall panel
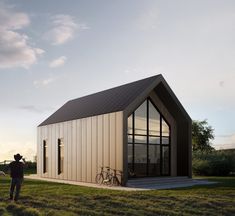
[(119, 141), (79, 150), (106, 140), (94, 148), (112, 140), (88, 144), (74, 150), (65, 129), (84, 152), (89, 150), (69, 142), (53, 151), (50, 151), (100, 141)]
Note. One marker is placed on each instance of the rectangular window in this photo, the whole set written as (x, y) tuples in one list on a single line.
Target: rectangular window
[(45, 157), (60, 156)]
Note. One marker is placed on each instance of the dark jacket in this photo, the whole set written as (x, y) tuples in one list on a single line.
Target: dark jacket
[(16, 169)]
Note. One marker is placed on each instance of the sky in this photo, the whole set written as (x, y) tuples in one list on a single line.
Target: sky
[(54, 51)]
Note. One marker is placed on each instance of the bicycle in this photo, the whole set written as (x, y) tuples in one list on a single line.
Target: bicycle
[(109, 178), (104, 177), (114, 178), (100, 176)]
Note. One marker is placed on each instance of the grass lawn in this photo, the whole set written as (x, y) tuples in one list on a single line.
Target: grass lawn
[(43, 198)]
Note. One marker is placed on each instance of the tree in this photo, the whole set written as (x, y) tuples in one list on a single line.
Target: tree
[(202, 134)]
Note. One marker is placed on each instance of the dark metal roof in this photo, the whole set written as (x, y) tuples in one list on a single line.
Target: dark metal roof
[(107, 101)]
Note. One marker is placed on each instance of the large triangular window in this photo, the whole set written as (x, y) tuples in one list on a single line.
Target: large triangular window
[(148, 142)]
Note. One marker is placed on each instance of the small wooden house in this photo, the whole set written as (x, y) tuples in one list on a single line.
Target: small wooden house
[(139, 128)]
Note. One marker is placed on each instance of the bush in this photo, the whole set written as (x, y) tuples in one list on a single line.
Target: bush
[(200, 167), (30, 167), (217, 163)]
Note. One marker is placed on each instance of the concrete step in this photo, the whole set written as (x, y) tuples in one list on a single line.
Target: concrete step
[(159, 179), (149, 182), (171, 185)]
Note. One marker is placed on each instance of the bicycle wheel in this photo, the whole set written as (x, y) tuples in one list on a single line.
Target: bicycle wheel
[(115, 181), (99, 178)]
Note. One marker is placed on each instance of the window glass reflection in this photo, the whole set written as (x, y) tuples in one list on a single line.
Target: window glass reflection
[(154, 140), (154, 160), (130, 138), (165, 160), (154, 120), (140, 139), (165, 128), (140, 153), (130, 126), (130, 155), (140, 159), (141, 119), (165, 140)]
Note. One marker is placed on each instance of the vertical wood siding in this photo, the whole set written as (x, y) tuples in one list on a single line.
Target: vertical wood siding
[(89, 143)]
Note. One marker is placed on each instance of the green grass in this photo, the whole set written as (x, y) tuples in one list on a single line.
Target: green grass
[(43, 198)]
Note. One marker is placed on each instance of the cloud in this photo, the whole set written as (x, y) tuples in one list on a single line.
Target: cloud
[(15, 48), (63, 30), (149, 20), (12, 20), (58, 62), (44, 82)]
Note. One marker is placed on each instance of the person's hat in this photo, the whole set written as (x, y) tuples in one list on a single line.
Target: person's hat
[(18, 157)]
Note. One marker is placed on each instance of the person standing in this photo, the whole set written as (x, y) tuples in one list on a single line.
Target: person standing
[(17, 175)]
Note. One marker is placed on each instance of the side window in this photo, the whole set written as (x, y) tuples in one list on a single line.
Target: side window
[(45, 156), (60, 156)]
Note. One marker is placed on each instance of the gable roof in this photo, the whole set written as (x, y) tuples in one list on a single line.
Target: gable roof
[(107, 101)]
